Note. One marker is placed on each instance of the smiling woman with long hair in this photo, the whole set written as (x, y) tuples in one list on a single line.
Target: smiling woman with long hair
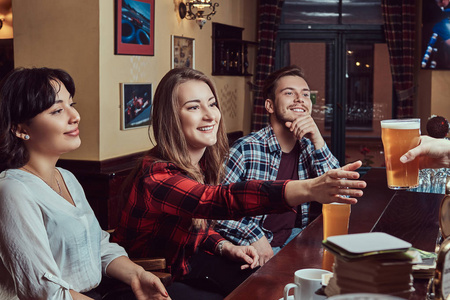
[(51, 244), (174, 192)]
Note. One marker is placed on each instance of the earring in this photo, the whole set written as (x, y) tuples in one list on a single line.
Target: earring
[(26, 137)]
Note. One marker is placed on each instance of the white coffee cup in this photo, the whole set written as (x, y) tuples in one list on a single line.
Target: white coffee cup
[(307, 282)]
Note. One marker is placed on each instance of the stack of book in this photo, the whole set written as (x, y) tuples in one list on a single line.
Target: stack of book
[(424, 264), (372, 262)]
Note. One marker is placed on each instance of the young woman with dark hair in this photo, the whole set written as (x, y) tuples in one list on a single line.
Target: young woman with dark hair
[(51, 245), (175, 192)]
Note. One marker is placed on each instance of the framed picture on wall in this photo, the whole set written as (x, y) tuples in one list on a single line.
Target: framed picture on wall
[(435, 35), (135, 27), (136, 105), (183, 52)]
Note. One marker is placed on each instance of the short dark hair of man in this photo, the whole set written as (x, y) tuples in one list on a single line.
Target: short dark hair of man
[(271, 81)]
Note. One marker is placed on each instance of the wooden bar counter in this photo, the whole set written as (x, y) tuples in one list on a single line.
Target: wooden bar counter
[(410, 216)]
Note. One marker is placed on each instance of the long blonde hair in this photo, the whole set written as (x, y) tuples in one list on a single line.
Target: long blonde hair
[(170, 142)]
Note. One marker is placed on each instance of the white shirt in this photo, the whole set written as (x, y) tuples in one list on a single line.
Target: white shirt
[(47, 245)]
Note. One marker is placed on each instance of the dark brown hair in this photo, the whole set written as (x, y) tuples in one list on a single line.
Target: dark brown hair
[(25, 93), (170, 141), (270, 84)]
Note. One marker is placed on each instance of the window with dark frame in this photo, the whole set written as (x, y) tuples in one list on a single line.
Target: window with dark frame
[(351, 33)]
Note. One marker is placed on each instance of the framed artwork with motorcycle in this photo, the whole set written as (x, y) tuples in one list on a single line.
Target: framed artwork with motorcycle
[(136, 105), (135, 27)]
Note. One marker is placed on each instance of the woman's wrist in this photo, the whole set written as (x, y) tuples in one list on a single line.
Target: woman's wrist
[(123, 269), (298, 192), (136, 275), (220, 247)]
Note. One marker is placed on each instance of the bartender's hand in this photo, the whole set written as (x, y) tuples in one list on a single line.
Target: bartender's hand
[(264, 250), (329, 187), (247, 254), (431, 152)]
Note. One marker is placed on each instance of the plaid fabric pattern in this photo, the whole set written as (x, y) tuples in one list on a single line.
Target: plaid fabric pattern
[(157, 219), (257, 157), (399, 24), (269, 20)]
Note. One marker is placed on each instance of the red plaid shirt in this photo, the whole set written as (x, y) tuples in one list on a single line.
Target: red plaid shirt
[(157, 219)]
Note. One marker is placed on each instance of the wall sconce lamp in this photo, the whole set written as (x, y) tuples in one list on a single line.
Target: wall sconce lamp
[(195, 10)]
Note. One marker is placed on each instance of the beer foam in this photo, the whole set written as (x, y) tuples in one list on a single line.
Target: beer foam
[(400, 124)]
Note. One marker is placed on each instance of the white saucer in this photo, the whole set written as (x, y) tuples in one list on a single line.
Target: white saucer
[(290, 297)]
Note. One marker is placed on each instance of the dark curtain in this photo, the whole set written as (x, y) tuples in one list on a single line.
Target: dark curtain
[(399, 21), (269, 20)]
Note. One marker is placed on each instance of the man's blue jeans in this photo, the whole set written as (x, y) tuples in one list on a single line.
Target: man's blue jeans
[(294, 233)]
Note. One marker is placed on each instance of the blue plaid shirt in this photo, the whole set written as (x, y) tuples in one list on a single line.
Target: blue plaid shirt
[(257, 156)]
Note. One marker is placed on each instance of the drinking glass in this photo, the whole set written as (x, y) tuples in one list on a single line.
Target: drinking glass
[(335, 222), (399, 136), (438, 181), (424, 181), (335, 219)]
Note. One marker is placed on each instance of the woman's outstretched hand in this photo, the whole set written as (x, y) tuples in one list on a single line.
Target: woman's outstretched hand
[(338, 185)]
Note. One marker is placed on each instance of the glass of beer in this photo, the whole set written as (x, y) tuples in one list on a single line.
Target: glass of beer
[(398, 137), (335, 222), (335, 219), (327, 260)]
